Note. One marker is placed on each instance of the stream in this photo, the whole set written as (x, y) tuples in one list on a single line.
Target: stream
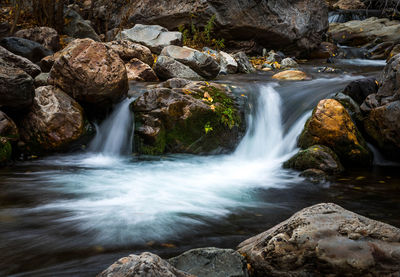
[(75, 214)]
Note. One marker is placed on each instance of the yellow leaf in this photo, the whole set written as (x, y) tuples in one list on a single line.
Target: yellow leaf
[(242, 95), (212, 107), (376, 82), (207, 95)]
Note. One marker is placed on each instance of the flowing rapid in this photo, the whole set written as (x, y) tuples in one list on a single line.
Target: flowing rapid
[(82, 211)]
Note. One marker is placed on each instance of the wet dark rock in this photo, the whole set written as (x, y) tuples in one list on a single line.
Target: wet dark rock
[(91, 72), (316, 157), (9, 59), (358, 90), (128, 50), (75, 26), (46, 36), (198, 118), (324, 51), (167, 68), (203, 64), (211, 262), (351, 106), (29, 49), (143, 265), (315, 175), (16, 89), (244, 65), (323, 240)]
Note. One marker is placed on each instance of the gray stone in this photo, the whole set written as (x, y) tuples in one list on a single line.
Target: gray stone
[(29, 49), (41, 79), (154, 37), (127, 50), (325, 240), (227, 62), (9, 59), (167, 68), (46, 36), (244, 65), (203, 64), (143, 265), (75, 26), (288, 63), (351, 106)]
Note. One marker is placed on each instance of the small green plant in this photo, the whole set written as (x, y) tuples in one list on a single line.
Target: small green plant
[(207, 128)]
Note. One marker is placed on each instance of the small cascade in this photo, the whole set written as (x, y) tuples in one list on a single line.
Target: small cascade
[(114, 136)]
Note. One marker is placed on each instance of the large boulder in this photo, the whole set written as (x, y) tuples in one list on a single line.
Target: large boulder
[(167, 68), (9, 59), (75, 26), (140, 71), (315, 157), (29, 49), (91, 72), (367, 33), (331, 125), (128, 50), (54, 121), (143, 265), (382, 123), (16, 89), (203, 64), (154, 37), (273, 24), (197, 118), (211, 262), (325, 240), (46, 36), (8, 129)]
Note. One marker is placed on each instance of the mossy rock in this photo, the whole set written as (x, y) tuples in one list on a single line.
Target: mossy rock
[(315, 157)]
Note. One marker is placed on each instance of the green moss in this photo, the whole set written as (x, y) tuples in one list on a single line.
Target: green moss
[(5, 150)]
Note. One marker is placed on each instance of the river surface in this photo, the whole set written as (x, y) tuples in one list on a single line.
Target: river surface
[(75, 214)]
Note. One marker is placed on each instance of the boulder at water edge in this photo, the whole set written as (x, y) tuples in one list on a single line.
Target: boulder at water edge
[(196, 118), (227, 63), (167, 68), (211, 262), (54, 121), (91, 72), (331, 125), (16, 89), (143, 265), (128, 50), (46, 36), (154, 37), (244, 65), (29, 49), (316, 157), (325, 240), (8, 59), (358, 90), (203, 64)]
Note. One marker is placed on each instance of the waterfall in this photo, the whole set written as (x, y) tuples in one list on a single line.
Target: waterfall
[(114, 135)]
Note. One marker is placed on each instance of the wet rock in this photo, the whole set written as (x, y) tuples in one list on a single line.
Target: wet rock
[(351, 106), (324, 51), (91, 72), (9, 59), (315, 175), (211, 262), (127, 50), (395, 50), (143, 265), (244, 65), (331, 125), (31, 50), (5, 151), (198, 118), (139, 71), (289, 63), (380, 51), (54, 121), (46, 36), (167, 68), (291, 75), (175, 83), (227, 63), (203, 64), (8, 129), (315, 157), (358, 90), (75, 26), (323, 240), (274, 57), (300, 25), (16, 89), (41, 80), (366, 32), (154, 37)]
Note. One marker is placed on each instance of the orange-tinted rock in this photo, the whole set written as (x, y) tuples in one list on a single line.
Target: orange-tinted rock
[(91, 72), (139, 71), (331, 125), (127, 50), (292, 75)]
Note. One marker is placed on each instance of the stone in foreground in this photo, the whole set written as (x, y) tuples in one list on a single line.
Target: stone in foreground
[(211, 262), (325, 240), (143, 265), (291, 75)]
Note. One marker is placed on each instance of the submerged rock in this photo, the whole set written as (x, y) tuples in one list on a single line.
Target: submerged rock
[(29, 49), (167, 68), (244, 65), (211, 262), (198, 118), (46, 36), (127, 50), (139, 71), (291, 75), (323, 240), (143, 265), (331, 125), (9, 59), (316, 157), (203, 64), (90, 72), (54, 121), (154, 37)]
